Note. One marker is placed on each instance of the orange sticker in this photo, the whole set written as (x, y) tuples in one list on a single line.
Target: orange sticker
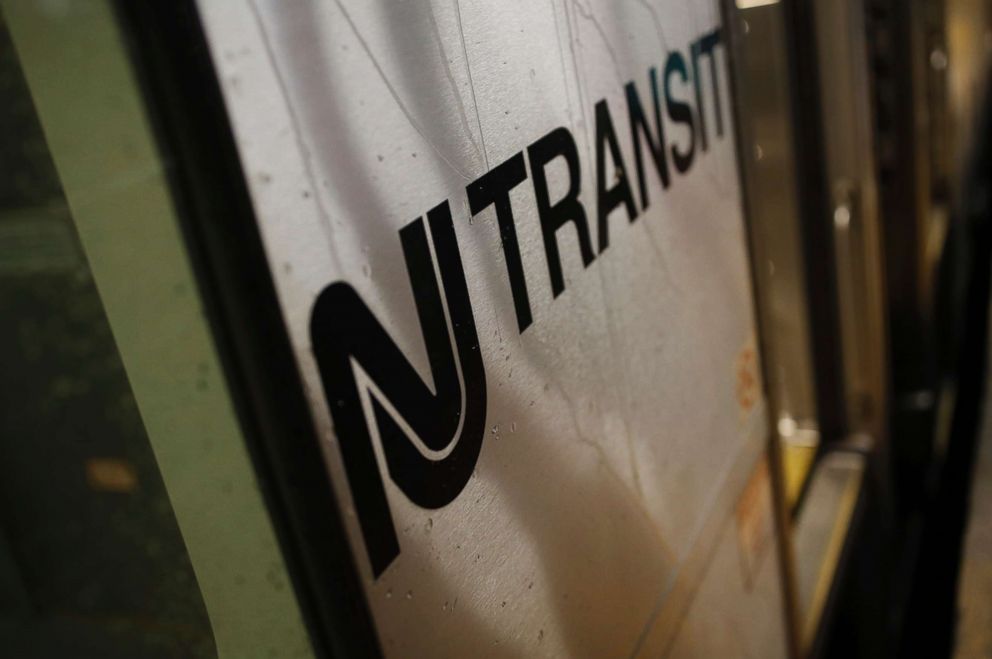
[(748, 384)]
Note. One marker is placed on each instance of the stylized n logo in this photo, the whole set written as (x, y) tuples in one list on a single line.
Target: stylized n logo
[(346, 334)]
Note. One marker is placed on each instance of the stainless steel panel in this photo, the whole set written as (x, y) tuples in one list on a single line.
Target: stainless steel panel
[(622, 421)]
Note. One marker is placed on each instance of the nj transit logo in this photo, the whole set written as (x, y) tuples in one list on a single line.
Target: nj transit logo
[(451, 420)]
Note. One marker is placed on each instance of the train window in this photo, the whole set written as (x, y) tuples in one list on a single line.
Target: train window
[(131, 522)]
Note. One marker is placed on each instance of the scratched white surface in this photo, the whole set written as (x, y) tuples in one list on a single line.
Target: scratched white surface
[(613, 421)]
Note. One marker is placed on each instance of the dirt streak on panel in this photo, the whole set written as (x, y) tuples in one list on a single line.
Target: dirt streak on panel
[(396, 97), (451, 80), (326, 225), (471, 82)]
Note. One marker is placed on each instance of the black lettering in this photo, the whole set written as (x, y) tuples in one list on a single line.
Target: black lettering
[(493, 188), (701, 47), (608, 199), (638, 128), (679, 111), (343, 330), (559, 143)]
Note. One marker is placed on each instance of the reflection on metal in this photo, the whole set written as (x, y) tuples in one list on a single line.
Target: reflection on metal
[(751, 4), (786, 426), (969, 51), (973, 637), (821, 529), (853, 270), (849, 167), (938, 59), (774, 222), (798, 452), (842, 217)]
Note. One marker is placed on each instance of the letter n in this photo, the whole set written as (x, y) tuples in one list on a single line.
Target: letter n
[(346, 335)]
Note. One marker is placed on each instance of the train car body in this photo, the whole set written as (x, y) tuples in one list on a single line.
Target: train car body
[(509, 329)]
